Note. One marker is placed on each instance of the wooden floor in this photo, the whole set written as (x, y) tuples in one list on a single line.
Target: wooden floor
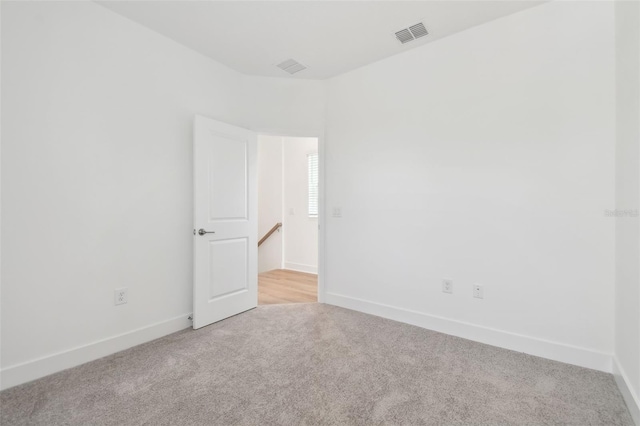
[(283, 286)]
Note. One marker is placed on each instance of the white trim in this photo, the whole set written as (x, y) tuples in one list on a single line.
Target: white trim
[(630, 398), (283, 207), (31, 370), (321, 220), (310, 269), (556, 351)]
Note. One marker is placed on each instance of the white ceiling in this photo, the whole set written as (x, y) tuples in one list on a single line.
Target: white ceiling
[(329, 37)]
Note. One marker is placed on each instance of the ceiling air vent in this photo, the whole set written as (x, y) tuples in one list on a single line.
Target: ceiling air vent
[(413, 32), (291, 66)]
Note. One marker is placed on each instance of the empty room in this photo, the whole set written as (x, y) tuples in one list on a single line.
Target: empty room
[(320, 212)]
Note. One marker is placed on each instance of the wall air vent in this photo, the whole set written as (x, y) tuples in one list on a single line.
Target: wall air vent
[(413, 32), (291, 66)]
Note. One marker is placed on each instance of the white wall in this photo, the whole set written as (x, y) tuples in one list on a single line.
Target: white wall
[(627, 291), (96, 174), (487, 157), (283, 106), (300, 230), (269, 201), (97, 177)]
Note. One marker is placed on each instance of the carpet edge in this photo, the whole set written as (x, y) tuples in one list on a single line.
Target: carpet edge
[(27, 371), (556, 351), (630, 398)]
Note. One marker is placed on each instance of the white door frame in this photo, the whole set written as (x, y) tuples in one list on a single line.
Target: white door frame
[(321, 197)]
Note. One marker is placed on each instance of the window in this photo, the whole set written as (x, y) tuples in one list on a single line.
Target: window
[(312, 162)]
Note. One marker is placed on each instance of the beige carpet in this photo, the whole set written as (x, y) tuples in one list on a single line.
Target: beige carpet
[(312, 364)]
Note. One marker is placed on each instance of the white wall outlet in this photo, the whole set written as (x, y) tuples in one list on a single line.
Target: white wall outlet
[(478, 291), (337, 212), (121, 296), (447, 285), (292, 211)]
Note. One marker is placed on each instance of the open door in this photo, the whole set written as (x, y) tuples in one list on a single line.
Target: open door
[(225, 221)]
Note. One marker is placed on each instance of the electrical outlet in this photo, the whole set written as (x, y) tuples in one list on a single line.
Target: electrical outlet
[(447, 285), (337, 212), (478, 291), (120, 296)]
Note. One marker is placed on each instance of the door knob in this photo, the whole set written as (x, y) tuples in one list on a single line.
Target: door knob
[(202, 232)]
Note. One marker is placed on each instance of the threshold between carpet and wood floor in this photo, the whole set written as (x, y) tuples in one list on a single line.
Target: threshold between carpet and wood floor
[(317, 364)]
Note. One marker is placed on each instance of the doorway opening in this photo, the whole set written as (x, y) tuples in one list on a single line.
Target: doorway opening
[(288, 207)]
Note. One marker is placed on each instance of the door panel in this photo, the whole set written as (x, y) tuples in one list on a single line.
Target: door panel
[(225, 207), (228, 260), (227, 179)]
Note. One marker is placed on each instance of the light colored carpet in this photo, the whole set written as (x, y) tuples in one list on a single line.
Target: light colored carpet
[(313, 364)]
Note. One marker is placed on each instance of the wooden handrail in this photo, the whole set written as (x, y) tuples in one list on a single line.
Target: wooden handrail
[(268, 234)]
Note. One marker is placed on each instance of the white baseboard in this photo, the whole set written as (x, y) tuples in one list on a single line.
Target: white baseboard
[(630, 397), (569, 354), (310, 269), (31, 370)]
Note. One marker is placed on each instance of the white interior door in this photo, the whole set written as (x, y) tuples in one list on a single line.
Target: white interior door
[(225, 221)]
